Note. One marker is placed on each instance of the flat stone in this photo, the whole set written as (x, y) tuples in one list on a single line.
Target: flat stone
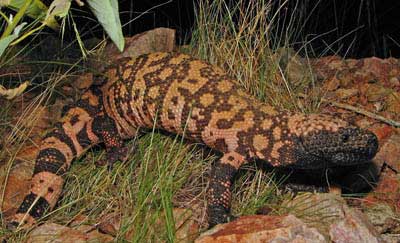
[(262, 228)]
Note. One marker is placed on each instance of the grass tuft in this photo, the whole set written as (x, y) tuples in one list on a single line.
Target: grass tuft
[(245, 37)]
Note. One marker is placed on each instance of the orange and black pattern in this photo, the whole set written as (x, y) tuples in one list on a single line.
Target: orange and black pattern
[(190, 97)]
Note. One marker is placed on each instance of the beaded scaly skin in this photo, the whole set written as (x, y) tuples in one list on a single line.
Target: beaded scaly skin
[(192, 98)]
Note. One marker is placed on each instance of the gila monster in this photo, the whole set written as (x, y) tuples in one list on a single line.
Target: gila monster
[(182, 95)]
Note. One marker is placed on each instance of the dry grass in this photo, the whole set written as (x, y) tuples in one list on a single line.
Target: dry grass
[(242, 38)]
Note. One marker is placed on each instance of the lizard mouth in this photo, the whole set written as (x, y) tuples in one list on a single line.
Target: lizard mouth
[(347, 159), (317, 161), (344, 148), (357, 156)]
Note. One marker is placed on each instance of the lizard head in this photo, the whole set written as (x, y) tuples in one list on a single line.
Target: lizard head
[(325, 141)]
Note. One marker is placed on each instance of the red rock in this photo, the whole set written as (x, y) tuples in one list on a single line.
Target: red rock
[(343, 93), (376, 66), (387, 191), (393, 102), (394, 81), (382, 131), (52, 232), (388, 188), (84, 81), (376, 92), (383, 218), (354, 228), (159, 39), (331, 216), (262, 228), (93, 235), (389, 152), (110, 223), (332, 84)]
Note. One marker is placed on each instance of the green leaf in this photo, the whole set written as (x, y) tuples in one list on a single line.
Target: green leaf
[(106, 12), (37, 10), (7, 40), (58, 8)]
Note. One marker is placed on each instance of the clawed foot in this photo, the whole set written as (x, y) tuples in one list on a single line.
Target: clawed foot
[(19, 221), (218, 215), (114, 155), (12, 225)]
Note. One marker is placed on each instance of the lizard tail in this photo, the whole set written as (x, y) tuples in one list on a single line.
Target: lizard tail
[(70, 138)]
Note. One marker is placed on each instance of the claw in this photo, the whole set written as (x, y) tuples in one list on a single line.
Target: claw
[(12, 225), (219, 215), (114, 155)]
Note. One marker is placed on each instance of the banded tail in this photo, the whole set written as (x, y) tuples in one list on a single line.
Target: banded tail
[(68, 140)]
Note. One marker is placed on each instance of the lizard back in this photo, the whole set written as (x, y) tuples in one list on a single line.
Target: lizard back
[(181, 95)]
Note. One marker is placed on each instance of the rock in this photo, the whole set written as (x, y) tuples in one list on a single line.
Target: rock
[(377, 82), (84, 81), (346, 93), (78, 220), (346, 78), (354, 228), (387, 191), (336, 63), (332, 84), (393, 102), (94, 235), (391, 238), (330, 214), (383, 218), (323, 209), (159, 39), (51, 232), (110, 223), (394, 81), (187, 229), (262, 228), (376, 92), (296, 68), (379, 106), (376, 66), (389, 152), (382, 131)]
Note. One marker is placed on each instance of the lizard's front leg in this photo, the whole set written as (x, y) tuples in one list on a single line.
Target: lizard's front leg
[(219, 192)]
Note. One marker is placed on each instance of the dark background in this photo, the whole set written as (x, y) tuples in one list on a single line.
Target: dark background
[(349, 28)]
